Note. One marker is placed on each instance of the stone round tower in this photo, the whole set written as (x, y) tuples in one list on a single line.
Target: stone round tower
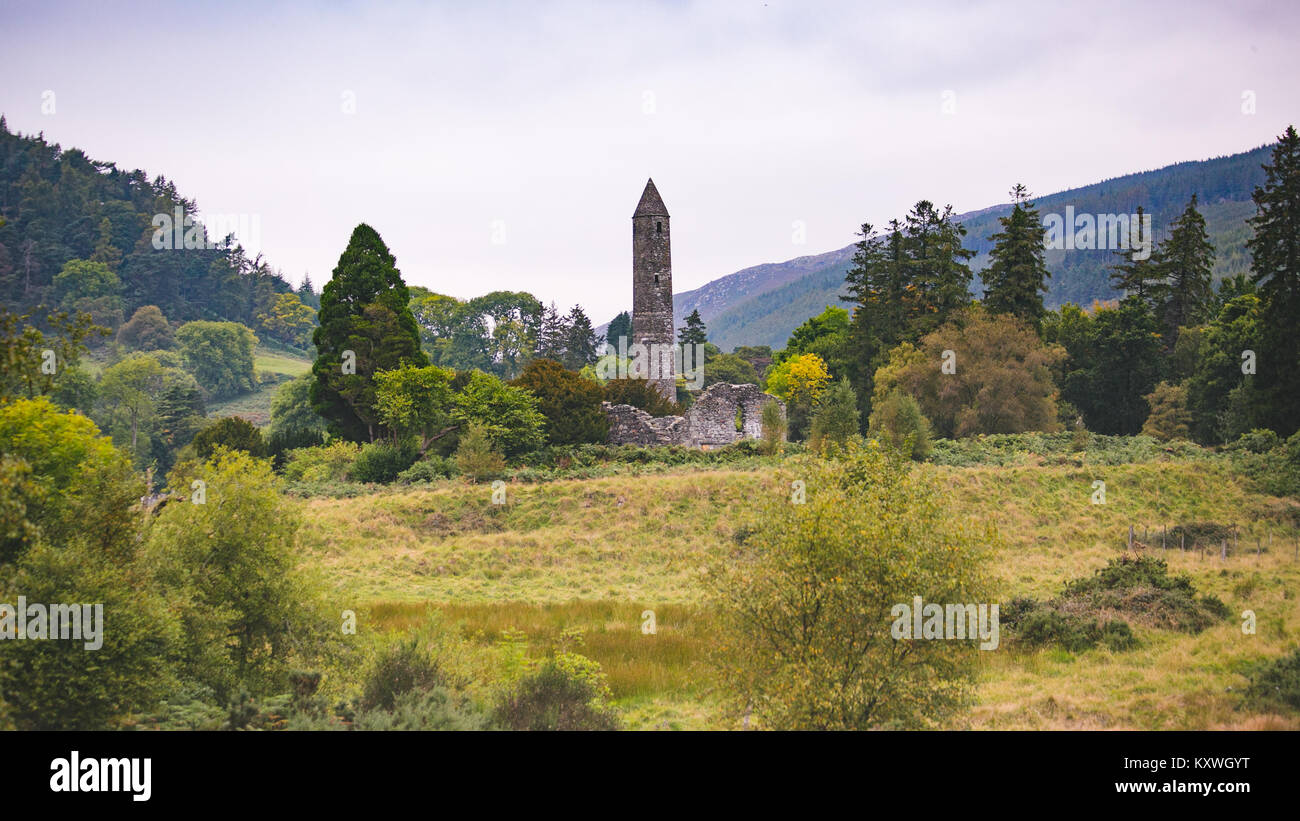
[(652, 289)]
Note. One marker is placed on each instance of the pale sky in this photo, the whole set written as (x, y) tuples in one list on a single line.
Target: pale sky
[(538, 123)]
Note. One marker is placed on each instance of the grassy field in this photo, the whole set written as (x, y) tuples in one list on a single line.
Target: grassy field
[(595, 554), (256, 406)]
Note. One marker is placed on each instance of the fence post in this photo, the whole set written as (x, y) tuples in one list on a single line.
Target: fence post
[(1130, 537), (1223, 554)]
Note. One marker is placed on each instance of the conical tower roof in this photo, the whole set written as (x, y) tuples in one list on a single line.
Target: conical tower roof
[(651, 205)]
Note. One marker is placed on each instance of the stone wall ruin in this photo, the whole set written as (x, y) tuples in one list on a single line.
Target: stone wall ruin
[(709, 423)]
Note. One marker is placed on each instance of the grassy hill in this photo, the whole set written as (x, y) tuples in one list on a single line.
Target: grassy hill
[(763, 304), (594, 554), (275, 364)]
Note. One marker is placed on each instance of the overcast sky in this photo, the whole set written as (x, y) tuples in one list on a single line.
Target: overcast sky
[(504, 146)]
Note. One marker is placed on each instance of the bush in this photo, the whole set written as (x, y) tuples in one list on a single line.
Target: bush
[(436, 708), (404, 667), (1140, 588), (567, 692), (382, 462), (1275, 685), (774, 428), (280, 442), (640, 393), (475, 457), (231, 432), (428, 469), (1259, 440), (570, 403), (899, 422), (836, 418), (1272, 466), (324, 463), (801, 603)]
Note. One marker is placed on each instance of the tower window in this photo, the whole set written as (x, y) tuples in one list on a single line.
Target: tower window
[(659, 227), (656, 279)]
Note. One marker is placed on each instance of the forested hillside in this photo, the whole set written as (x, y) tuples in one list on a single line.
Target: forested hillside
[(57, 206), (763, 304)]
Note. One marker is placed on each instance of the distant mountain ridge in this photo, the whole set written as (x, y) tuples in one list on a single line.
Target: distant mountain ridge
[(762, 304)]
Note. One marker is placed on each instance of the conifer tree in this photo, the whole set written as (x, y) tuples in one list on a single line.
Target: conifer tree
[(1015, 280), (552, 335), (365, 309), (619, 328), (1275, 268), (693, 332), (1185, 263), (581, 345), (1136, 277)]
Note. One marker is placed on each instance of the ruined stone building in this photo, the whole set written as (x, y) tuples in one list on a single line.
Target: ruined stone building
[(723, 414)]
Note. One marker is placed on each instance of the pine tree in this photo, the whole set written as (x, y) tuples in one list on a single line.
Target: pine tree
[(1136, 277), (693, 332), (552, 335), (903, 285), (365, 309), (1015, 279), (1185, 264), (307, 293), (619, 328), (1275, 268), (581, 345)]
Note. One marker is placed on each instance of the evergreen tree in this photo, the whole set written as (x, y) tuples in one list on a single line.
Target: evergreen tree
[(619, 328), (1185, 263), (307, 293), (1275, 268), (693, 332), (581, 345), (552, 335), (364, 309), (1136, 277), (1016, 277), (902, 285)]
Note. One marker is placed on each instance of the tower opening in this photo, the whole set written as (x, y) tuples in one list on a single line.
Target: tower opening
[(659, 227)]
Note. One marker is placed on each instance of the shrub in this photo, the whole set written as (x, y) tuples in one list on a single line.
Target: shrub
[(1259, 440), (801, 603), (428, 469), (382, 462), (436, 708), (231, 432), (1141, 588), (774, 428), (567, 692), (570, 403), (899, 422), (401, 668), (1275, 685), (836, 417), (475, 457), (323, 463), (640, 393), (1169, 417), (146, 330)]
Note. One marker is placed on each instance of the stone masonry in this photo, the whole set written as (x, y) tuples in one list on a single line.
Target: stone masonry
[(710, 422), (652, 286)]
